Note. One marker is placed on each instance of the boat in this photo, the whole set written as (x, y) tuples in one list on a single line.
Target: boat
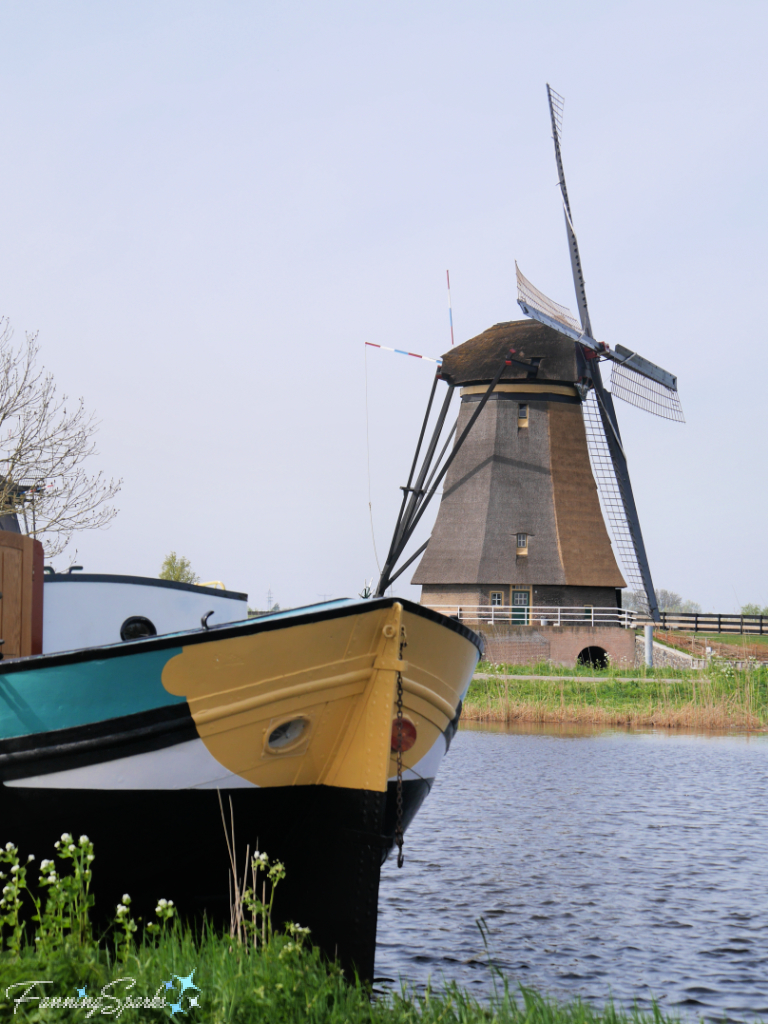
[(320, 729)]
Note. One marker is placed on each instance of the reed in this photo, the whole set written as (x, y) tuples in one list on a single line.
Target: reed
[(723, 698)]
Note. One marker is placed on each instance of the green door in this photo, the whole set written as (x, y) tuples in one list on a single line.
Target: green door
[(521, 600)]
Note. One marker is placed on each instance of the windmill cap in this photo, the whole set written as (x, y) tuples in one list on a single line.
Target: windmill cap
[(477, 360)]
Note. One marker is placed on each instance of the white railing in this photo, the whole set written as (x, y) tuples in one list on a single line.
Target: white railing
[(538, 615)]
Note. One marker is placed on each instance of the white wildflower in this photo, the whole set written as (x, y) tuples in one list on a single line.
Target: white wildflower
[(52, 876), (14, 869), (9, 846), (31, 857), (66, 837), (121, 909), (45, 864), (71, 847), (84, 840), (162, 903), (126, 898)]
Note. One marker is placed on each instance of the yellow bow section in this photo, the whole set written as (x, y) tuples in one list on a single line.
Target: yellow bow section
[(304, 704)]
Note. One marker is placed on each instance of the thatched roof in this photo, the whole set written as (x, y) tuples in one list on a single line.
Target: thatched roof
[(478, 359)]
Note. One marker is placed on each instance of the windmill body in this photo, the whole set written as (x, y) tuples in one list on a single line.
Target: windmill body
[(536, 472), (519, 522)]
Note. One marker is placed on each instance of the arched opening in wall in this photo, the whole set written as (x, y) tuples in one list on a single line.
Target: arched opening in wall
[(596, 657)]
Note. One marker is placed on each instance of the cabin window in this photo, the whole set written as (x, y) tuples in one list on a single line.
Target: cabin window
[(522, 543), (497, 599), (522, 415)]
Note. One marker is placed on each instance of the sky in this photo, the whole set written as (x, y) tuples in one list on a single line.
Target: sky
[(208, 208)]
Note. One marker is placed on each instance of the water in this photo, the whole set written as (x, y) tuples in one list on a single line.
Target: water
[(613, 865)]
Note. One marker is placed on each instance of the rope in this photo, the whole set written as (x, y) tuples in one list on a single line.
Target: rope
[(368, 456)]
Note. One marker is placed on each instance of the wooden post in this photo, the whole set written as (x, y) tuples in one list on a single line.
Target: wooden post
[(21, 595)]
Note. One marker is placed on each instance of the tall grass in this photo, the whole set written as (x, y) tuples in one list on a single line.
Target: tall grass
[(169, 970), (614, 670), (723, 698), (276, 987)]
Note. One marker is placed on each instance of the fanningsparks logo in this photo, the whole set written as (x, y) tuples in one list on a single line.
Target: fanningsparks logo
[(111, 1000)]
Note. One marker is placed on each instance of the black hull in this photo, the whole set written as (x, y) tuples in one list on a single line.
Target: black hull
[(161, 843)]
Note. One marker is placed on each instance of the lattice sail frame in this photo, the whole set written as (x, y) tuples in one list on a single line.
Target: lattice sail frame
[(557, 103), (611, 500), (626, 383), (531, 296), (645, 393)]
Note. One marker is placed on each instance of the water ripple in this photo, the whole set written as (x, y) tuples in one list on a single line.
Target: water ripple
[(615, 865)]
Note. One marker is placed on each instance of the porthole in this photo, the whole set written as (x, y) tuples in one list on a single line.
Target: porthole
[(287, 734), (136, 627)]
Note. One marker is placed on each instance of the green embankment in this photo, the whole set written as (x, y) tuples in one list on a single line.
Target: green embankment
[(269, 986), (720, 698), (53, 968)]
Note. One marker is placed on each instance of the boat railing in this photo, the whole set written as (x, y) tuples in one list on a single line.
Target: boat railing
[(538, 615)]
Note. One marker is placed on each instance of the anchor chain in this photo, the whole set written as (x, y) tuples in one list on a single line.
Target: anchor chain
[(399, 820)]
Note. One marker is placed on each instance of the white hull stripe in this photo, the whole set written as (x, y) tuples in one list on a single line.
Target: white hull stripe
[(427, 767), (186, 765)]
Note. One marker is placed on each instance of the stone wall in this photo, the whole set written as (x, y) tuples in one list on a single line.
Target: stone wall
[(664, 657), (525, 645)]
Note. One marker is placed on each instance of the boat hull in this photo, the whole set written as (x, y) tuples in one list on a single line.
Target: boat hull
[(133, 745), (331, 840)]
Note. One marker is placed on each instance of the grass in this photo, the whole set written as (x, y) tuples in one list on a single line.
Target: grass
[(546, 669), (277, 984), (732, 639), (736, 646), (53, 968), (723, 698)]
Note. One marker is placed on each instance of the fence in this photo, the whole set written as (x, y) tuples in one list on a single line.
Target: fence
[(538, 615), (549, 615), (691, 622)]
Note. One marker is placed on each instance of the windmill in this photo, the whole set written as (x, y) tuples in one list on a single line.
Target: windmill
[(536, 441), (633, 379)]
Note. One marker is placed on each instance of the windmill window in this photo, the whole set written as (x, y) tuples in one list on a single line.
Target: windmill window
[(522, 543), (497, 599), (522, 415)]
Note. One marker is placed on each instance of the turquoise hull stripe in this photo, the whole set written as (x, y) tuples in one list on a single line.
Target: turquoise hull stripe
[(63, 696)]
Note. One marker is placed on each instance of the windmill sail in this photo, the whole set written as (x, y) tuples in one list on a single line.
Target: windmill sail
[(608, 489), (644, 392), (556, 104), (540, 307), (634, 379)]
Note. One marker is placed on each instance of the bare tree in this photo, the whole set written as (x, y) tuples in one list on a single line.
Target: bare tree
[(668, 601), (44, 441)]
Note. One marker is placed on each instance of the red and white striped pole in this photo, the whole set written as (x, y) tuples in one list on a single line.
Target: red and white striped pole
[(450, 310)]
